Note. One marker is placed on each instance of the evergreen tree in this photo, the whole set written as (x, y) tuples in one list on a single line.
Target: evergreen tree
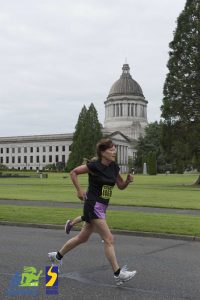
[(181, 102), (151, 163), (151, 142), (87, 134), (93, 132), (77, 152)]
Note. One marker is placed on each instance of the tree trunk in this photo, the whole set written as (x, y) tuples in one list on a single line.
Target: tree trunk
[(198, 181)]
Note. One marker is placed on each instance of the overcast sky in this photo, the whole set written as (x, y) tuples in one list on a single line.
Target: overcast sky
[(57, 55)]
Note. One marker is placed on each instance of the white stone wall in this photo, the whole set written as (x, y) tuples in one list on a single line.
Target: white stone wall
[(127, 115), (33, 153), (125, 109), (122, 156)]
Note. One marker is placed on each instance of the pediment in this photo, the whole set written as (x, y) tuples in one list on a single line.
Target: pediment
[(117, 135)]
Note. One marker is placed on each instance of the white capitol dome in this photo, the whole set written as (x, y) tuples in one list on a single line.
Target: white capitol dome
[(126, 107)]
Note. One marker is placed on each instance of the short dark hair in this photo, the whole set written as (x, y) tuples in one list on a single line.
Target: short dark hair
[(103, 145)]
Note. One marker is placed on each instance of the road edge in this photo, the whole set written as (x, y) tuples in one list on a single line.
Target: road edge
[(114, 231)]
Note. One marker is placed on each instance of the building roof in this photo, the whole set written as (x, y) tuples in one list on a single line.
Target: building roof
[(36, 138), (126, 85)]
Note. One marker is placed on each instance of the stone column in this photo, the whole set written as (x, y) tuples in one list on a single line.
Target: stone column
[(118, 154), (122, 155), (123, 158)]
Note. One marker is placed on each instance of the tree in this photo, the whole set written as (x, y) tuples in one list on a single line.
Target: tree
[(92, 132), (150, 143), (151, 163), (87, 133), (76, 155), (181, 101)]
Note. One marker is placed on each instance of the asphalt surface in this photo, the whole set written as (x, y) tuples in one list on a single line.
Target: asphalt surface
[(111, 207), (167, 269)]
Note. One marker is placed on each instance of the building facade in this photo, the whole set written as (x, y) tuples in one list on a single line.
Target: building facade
[(126, 107), (125, 121), (34, 152)]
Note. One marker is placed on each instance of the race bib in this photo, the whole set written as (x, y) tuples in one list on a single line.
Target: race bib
[(106, 192)]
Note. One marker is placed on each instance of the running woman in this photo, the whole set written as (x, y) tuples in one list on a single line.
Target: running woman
[(103, 175)]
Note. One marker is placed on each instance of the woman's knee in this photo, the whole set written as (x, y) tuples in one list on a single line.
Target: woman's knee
[(109, 240), (82, 238)]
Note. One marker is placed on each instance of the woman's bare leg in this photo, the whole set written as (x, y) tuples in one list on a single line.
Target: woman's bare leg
[(76, 220), (80, 238), (101, 227)]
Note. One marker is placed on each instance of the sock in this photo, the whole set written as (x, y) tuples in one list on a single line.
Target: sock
[(117, 272), (59, 256)]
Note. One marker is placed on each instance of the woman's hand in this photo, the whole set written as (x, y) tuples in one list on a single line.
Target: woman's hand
[(129, 178), (81, 195), (121, 183), (74, 177)]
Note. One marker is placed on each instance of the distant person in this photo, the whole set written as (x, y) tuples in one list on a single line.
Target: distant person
[(103, 175)]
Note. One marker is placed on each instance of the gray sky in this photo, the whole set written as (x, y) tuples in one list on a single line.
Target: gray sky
[(57, 55)]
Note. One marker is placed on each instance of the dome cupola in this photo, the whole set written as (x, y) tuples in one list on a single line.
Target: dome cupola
[(126, 107), (125, 85)]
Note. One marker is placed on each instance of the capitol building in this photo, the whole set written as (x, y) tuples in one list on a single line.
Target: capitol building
[(125, 121)]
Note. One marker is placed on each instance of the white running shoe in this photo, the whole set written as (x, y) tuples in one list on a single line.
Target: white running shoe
[(54, 260), (124, 276)]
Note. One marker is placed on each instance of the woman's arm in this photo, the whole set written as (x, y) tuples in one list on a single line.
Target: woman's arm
[(121, 183), (74, 177)]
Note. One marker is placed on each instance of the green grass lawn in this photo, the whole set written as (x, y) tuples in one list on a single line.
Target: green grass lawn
[(174, 191), (123, 220)]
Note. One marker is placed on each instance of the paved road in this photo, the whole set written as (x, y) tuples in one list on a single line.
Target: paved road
[(167, 269)]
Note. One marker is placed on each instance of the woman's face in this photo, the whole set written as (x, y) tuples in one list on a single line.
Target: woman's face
[(109, 154)]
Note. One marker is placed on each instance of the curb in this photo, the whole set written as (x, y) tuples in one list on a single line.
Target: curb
[(158, 235), (114, 231)]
